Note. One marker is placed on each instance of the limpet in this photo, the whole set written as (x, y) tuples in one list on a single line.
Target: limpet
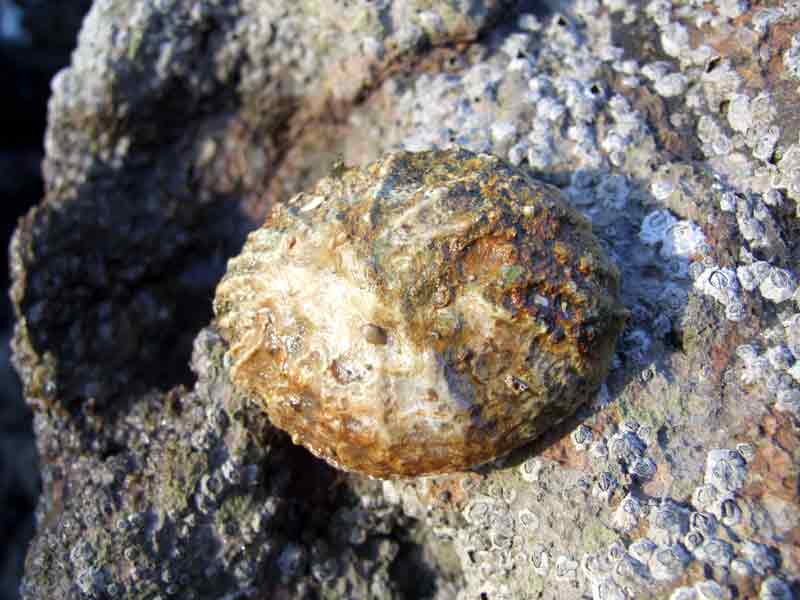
[(424, 314)]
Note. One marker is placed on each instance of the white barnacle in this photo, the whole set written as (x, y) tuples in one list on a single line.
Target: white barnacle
[(704, 522), (582, 437), (761, 558), (627, 514), (719, 283), (642, 549), (531, 469), (717, 552), (655, 226), (683, 593), (644, 468), (605, 486), (778, 286), (668, 522), (741, 568), (775, 588), (528, 520), (668, 562), (566, 568), (710, 590), (726, 470), (540, 560), (683, 239), (478, 509), (728, 512)]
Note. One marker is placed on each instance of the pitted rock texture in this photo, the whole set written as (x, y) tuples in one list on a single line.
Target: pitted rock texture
[(423, 314), (180, 123)]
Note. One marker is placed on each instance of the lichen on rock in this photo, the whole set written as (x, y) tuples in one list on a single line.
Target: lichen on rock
[(423, 314)]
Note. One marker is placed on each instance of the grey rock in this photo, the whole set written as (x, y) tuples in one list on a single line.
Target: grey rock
[(178, 125)]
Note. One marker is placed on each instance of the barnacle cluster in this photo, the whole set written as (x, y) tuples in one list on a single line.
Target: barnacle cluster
[(423, 314)]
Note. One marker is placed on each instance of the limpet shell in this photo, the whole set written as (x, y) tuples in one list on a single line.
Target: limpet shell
[(423, 314)]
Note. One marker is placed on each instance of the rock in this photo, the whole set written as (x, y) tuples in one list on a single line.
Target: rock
[(181, 123)]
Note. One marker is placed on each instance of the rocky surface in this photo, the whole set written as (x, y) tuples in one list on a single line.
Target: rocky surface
[(32, 49), (670, 125)]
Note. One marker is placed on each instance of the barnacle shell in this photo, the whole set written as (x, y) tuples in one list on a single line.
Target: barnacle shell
[(423, 314)]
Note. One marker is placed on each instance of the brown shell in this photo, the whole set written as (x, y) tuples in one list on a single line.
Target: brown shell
[(423, 314)]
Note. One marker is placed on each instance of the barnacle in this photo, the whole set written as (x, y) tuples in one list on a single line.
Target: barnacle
[(423, 314)]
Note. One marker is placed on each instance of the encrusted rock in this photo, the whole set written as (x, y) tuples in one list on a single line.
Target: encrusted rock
[(423, 314)]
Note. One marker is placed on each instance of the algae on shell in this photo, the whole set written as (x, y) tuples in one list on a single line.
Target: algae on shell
[(423, 314)]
